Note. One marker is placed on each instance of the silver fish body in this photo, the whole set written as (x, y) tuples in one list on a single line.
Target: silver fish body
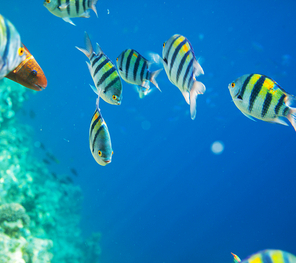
[(67, 9), (12, 53), (99, 139), (258, 96), (134, 69), (182, 68), (104, 73)]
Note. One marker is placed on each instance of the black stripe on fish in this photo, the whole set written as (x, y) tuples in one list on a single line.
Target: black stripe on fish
[(100, 66), (187, 72), (256, 89), (266, 257), (245, 85), (96, 60), (89, 3), (279, 104), (96, 135), (121, 61), (92, 56), (266, 104), (111, 84), (181, 65), (105, 76), (59, 4), (96, 120), (77, 4), (169, 49), (68, 7), (175, 54), (84, 5), (136, 67), (286, 111), (142, 71), (128, 61)]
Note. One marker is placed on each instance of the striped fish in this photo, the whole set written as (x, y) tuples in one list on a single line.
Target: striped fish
[(133, 68), (104, 73), (67, 9), (268, 256), (260, 97), (99, 138), (181, 68), (12, 52)]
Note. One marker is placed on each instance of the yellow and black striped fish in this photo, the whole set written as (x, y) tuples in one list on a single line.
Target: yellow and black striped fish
[(133, 68), (261, 97), (99, 138), (67, 9), (12, 53), (104, 73), (181, 68), (268, 256)]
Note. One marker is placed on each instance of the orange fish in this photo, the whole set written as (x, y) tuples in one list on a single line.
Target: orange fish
[(28, 73)]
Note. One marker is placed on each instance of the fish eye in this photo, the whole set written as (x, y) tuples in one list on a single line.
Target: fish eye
[(34, 73), (21, 51), (163, 44), (112, 153), (114, 97), (100, 153), (232, 84), (48, 1), (117, 59)]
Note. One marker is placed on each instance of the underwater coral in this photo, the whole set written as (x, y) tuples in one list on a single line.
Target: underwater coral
[(37, 224)]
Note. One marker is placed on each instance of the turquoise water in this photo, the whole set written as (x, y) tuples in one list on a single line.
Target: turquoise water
[(166, 197)]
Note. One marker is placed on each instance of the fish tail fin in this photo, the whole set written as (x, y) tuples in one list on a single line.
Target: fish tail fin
[(196, 89), (89, 49), (93, 6), (153, 76), (292, 117), (236, 258)]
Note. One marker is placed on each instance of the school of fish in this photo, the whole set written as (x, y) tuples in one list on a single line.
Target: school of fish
[(255, 95)]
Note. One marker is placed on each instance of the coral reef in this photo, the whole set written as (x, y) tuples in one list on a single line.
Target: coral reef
[(37, 224)]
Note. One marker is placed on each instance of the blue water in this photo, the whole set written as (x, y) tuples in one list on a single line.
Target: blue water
[(166, 197)]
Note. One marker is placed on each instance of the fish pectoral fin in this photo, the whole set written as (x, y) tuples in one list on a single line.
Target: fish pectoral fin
[(85, 14), (279, 121), (196, 89), (249, 116), (63, 6), (68, 20), (186, 96), (197, 69)]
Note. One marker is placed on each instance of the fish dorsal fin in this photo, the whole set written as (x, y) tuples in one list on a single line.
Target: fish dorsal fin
[(99, 50)]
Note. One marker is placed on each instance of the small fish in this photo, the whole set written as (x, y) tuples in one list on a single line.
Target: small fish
[(73, 171), (104, 73), (99, 138), (261, 97), (28, 73), (133, 68), (67, 9), (268, 256), (12, 53), (181, 68)]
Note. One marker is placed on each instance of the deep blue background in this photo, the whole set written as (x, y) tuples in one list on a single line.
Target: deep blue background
[(166, 197)]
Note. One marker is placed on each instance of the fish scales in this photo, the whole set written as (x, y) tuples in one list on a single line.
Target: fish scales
[(258, 96), (134, 69), (182, 68)]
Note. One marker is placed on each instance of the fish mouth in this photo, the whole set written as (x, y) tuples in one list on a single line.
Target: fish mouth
[(107, 161)]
